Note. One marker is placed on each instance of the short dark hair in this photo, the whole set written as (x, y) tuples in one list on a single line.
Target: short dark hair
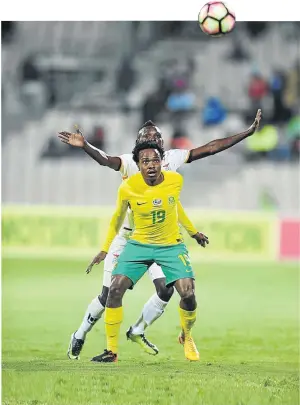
[(148, 124), (146, 145)]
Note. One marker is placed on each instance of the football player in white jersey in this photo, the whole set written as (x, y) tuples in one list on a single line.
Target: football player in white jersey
[(173, 160)]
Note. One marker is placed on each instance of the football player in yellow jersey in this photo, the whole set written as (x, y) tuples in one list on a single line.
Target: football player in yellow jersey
[(156, 304), (153, 196)]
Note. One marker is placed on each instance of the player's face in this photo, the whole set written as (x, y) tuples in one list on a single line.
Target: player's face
[(150, 164), (151, 135)]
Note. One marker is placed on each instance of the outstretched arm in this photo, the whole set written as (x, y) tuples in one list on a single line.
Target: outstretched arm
[(184, 220), (77, 139), (218, 145)]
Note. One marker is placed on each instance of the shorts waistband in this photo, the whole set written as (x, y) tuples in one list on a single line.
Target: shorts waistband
[(135, 242)]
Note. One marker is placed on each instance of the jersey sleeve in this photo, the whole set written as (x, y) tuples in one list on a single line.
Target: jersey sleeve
[(184, 220), (117, 218), (176, 158), (126, 165)]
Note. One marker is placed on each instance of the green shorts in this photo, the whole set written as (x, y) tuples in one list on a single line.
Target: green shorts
[(136, 258)]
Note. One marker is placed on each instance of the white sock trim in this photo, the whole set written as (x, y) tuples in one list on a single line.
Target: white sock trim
[(91, 316), (159, 302), (153, 309)]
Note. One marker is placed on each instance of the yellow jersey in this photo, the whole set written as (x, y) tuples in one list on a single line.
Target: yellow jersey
[(154, 208)]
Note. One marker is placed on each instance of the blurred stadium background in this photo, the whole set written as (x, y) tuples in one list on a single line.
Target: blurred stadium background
[(109, 78)]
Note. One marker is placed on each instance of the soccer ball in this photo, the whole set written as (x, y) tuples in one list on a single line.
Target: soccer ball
[(216, 19)]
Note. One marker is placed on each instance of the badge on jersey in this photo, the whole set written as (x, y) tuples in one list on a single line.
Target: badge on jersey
[(171, 200), (157, 202)]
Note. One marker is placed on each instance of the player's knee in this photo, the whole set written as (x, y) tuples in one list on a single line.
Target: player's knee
[(115, 292), (188, 296), (164, 293)]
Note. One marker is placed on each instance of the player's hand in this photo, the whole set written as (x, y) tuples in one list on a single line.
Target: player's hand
[(254, 127), (201, 239), (97, 259), (75, 139)]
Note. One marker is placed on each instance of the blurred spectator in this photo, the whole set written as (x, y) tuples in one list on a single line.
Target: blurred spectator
[(176, 73), (33, 89), (154, 104), (167, 71), (98, 138), (51, 88), (292, 90), (238, 52), (29, 70), (277, 86), (213, 112), (293, 136), (181, 99), (125, 76), (262, 142), (125, 80), (257, 90), (293, 128), (164, 89), (180, 140)]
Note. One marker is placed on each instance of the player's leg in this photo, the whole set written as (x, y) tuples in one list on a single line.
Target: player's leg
[(126, 274), (152, 310), (93, 312), (154, 307), (96, 307), (176, 266), (113, 318), (187, 314)]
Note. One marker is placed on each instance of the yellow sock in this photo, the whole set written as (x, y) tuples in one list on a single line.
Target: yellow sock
[(113, 318), (187, 320)]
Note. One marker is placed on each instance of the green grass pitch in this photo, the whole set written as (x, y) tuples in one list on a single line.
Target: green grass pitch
[(246, 332)]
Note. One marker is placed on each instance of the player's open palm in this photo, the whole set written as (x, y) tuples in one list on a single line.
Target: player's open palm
[(75, 139), (254, 127), (201, 239), (97, 259)]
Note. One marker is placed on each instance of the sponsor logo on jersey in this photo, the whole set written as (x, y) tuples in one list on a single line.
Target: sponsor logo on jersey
[(157, 202), (141, 202), (171, 200)]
